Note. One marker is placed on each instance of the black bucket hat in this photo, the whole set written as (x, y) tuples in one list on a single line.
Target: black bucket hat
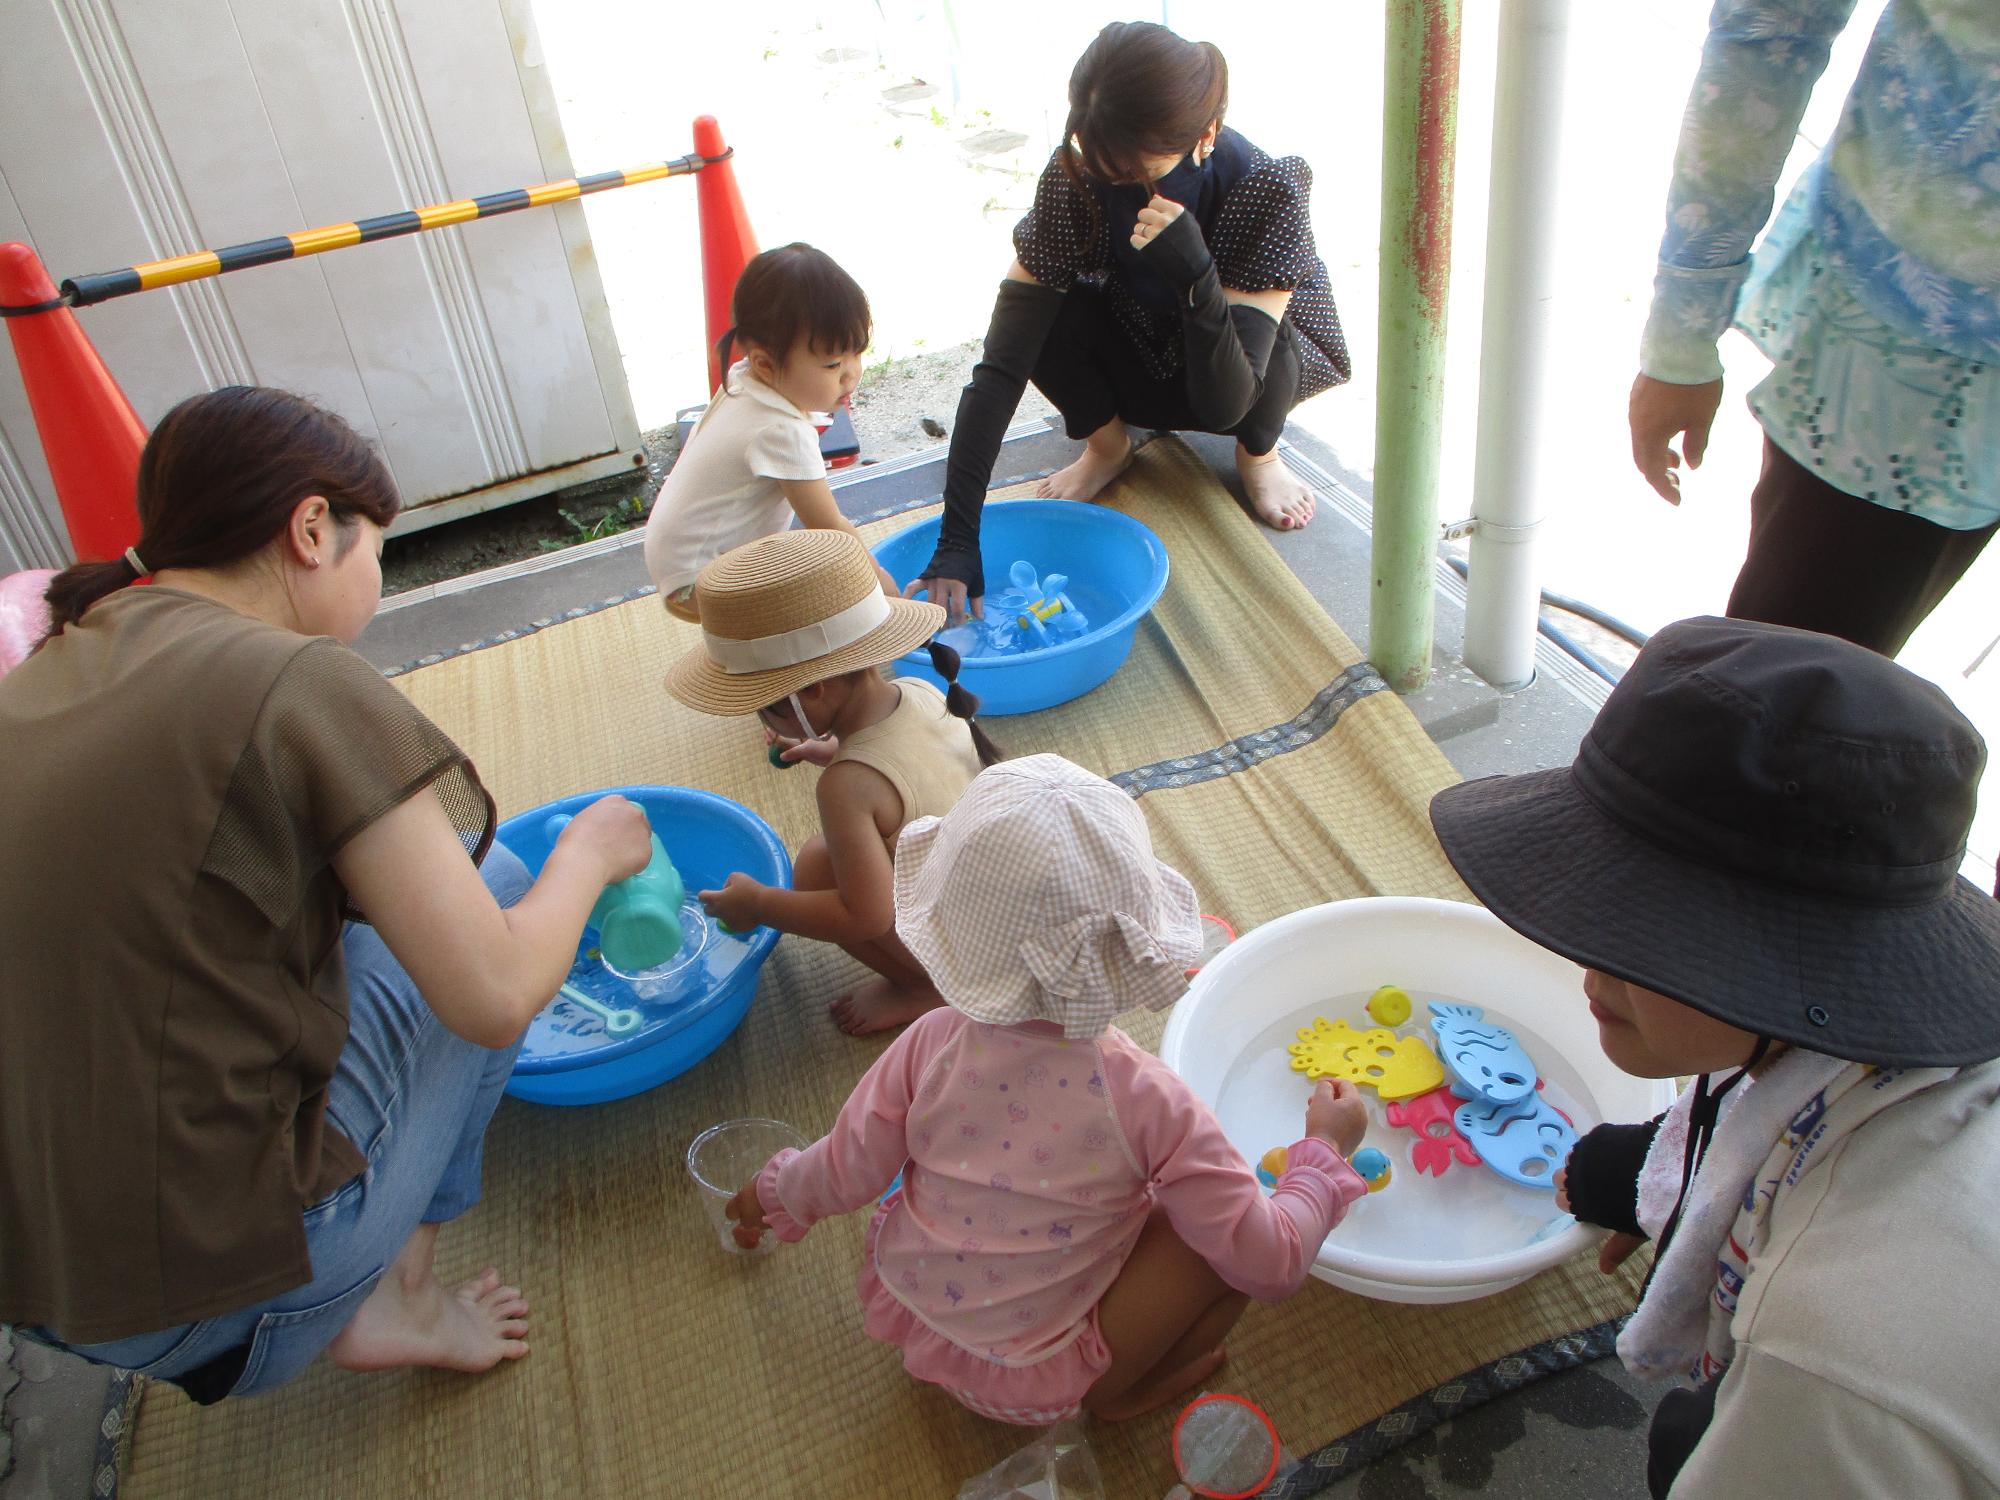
[(1765, 824)]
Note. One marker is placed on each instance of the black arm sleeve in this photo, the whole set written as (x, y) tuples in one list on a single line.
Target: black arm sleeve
[(1603, 1177), (1023, 314), (1228, 347)]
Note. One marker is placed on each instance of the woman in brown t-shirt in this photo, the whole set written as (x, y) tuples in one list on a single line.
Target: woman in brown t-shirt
[(229, 1128)]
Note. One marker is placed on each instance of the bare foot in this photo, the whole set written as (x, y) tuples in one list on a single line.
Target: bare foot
[(1155, 1392), (402, 1323), (1095, 467), (1278, 496), (882, 1005)]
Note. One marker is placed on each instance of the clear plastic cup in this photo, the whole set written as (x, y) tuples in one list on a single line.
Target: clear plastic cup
[(724, 1157)]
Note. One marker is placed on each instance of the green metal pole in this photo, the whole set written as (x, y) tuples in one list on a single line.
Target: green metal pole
[(1419, 143)]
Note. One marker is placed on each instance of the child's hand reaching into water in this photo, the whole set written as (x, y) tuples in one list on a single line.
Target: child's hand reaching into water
[(1336, 1115), (735, 905), (747, 1209)]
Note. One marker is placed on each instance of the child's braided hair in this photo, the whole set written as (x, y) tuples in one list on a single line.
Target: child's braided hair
[(962, 703)]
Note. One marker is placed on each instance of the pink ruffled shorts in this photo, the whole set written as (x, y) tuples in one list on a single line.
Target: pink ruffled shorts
[(1027, 1395)]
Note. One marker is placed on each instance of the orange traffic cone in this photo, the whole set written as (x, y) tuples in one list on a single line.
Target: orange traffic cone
[(90, 434), (727, 240)]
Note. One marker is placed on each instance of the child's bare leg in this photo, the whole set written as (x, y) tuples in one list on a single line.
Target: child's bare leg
[(1164, 1318), (412, 1319), (901, 993), (1106, 453)]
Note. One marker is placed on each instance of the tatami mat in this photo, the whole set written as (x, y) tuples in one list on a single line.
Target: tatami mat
[(1274, 770)]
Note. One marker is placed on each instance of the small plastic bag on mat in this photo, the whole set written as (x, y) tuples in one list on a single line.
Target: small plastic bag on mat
[(1058, 1465)]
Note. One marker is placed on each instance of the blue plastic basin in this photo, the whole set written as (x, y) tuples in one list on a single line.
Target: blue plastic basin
[(567, 1057), (1117, 569)]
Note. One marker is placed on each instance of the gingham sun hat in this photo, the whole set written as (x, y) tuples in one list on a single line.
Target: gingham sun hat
[(789, 610), (1037, 898)]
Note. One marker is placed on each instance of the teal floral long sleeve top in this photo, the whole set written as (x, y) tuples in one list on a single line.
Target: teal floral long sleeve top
[(1904, 201)]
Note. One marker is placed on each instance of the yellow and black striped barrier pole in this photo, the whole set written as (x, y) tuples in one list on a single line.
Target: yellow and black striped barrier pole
[(101, 286)]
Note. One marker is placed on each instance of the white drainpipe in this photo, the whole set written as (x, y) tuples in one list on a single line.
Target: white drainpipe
[(1503, 587)]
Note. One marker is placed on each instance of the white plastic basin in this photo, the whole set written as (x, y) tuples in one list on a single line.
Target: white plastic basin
[(1465, 1234)]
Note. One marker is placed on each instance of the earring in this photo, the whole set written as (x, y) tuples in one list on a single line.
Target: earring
[(315, 562)]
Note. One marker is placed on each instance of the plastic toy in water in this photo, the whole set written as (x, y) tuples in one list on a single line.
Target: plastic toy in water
[(1031, 612), (1432, 1117), (1271, 1165), (1389, 1006), (618, 1020), (1524, 1142), (638, 920), (1396, 1067), (1373, 1167), (1485, 1060)]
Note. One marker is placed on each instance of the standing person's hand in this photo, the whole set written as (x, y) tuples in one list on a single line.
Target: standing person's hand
[(1660, 412), (616, 832), (1336, 1115), (952, 594)]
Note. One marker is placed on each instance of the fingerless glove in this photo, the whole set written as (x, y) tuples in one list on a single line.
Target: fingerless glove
[(1228, 346)]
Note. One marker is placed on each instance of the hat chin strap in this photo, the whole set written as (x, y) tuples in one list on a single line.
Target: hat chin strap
[(1701, 1131), (800, 709)]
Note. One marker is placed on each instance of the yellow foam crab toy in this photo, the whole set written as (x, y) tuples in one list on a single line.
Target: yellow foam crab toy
[(1395, 1067)]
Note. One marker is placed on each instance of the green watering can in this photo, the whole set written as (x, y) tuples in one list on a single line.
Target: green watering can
[(638, 919)]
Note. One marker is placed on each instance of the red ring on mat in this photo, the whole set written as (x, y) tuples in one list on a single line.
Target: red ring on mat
[(1255, 1410)]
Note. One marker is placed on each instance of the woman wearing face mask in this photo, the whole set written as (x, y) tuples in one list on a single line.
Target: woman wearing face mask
[(1165, 277)]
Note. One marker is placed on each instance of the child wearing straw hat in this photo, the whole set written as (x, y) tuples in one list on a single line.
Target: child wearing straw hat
[(1073, 1227), (1755, 859), (796, 629)]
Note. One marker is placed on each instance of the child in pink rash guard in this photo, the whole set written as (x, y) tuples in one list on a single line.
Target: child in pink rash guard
[(1073, 1227)]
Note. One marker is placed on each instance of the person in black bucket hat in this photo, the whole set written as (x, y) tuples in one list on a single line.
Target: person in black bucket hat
[(1755, 859)]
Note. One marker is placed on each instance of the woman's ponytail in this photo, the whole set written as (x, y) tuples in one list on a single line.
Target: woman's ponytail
[(75, 589), (961, 703)]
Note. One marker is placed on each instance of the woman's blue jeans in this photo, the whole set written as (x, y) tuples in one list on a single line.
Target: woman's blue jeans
[(415, 1100)]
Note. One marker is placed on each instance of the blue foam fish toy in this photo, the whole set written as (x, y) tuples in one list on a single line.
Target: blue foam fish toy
[(1525, 1142), (1484, 1060)]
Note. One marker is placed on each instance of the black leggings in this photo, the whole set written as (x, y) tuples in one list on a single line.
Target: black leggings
[(1089, 368), (1822, 559)]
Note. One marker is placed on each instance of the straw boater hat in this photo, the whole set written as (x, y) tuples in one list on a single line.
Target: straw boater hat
[(789, 610), (1765, 824), (1037, 898)]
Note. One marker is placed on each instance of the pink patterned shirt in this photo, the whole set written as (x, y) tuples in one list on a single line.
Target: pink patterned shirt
[(1030, 1164)]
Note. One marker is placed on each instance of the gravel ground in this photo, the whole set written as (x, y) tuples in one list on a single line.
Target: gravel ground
[(895, 400)]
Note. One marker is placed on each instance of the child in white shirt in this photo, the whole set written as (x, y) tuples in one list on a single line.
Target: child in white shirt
[(753, 463)]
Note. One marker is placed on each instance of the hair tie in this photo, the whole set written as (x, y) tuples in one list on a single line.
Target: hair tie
[(139, 569), (960, 703)]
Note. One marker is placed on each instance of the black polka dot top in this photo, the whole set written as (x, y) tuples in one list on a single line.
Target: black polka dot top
[(1254, 212)]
